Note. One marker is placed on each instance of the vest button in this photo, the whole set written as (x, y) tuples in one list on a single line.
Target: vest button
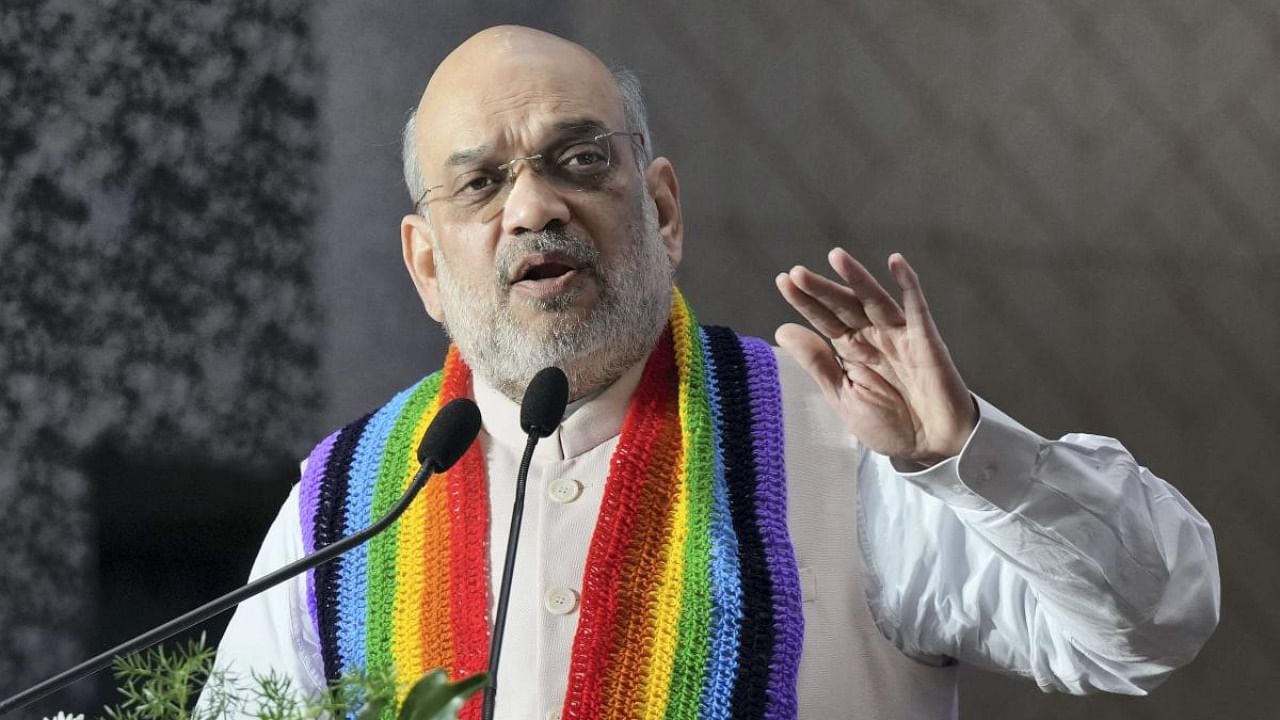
[(563, 490), (560, 601)]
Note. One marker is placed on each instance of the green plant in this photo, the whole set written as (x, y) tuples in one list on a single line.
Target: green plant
[(163, 684)]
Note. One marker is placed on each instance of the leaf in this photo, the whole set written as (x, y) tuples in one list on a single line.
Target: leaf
[(433, 697), (372, 710)]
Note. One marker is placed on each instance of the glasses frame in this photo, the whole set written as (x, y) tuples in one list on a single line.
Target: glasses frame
[(537, 162)]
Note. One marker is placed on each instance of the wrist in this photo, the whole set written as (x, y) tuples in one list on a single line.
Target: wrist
[(951, 440)]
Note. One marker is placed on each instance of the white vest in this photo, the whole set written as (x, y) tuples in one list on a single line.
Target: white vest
[(848, 668)]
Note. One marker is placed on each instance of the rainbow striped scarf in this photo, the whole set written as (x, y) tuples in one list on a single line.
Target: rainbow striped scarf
[(690, 604)]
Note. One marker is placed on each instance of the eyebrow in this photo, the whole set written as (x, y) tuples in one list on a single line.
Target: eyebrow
[(583, 123), (471, 155), (468, 156)]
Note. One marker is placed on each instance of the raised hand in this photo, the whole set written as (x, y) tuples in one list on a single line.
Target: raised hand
[(883, 366)]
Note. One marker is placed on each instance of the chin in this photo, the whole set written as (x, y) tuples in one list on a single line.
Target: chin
[(554, 311)]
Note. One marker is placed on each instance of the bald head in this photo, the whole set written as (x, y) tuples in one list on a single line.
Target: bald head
[(498, 74), (491, 61)]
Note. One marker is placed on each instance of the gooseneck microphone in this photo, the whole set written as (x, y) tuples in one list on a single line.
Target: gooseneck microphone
[(447, 438), (540, 414)]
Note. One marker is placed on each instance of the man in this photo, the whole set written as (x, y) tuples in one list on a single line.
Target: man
[(672, 561)]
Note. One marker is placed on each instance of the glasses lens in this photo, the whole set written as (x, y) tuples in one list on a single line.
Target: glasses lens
[(584, 162), (576, 164)]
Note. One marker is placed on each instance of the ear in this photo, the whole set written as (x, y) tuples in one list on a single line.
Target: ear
[(664, 188), (420, 260)]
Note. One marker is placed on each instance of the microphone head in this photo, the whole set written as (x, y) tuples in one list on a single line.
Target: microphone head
[(544, 401), (449, 435)]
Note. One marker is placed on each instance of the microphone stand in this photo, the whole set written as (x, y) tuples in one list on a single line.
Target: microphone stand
[(508, 570), (215, 607), (445, 447), (541, 412)]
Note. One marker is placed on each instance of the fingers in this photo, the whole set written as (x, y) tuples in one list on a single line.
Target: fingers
[(838, 298), (813, 310), (879, 306), (913, 302), (857, 348), (815, 356), (833, 300), (837, 310), (873, 384)]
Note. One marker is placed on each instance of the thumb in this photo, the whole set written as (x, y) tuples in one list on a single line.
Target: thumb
[(814, 355)]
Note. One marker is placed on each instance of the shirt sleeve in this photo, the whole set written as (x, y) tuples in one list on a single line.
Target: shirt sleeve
[(272, 631), (1064, 561)]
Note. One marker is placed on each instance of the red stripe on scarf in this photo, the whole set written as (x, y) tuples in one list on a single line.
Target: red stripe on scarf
[(635, 464)]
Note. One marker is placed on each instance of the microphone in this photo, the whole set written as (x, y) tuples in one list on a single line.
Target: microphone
[(451, 432), (540, 414), (544, 402), (447, 438)]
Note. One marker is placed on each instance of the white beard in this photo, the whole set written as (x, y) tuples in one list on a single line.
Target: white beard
[(593, 351)]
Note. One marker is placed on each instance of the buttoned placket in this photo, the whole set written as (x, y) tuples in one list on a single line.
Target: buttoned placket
[(562, 500), (567, 515)]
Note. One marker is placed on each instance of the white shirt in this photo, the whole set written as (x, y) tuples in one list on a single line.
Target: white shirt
[(1062, 561)]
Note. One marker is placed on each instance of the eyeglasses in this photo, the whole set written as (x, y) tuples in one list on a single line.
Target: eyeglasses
[(578, 164)]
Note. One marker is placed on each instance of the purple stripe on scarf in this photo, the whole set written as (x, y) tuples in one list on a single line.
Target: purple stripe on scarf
[(308, 502), (771, 511)]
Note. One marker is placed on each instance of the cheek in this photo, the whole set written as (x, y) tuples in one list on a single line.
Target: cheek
[(468, 252), (614, 218)]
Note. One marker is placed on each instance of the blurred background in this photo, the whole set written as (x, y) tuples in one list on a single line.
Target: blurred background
[(200, 269)]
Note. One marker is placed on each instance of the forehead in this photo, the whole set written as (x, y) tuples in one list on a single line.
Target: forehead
[(512, 102)]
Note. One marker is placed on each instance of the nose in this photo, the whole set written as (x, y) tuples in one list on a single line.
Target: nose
[(532, 202)]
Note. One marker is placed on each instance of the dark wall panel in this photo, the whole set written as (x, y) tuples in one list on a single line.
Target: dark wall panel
[(158, 180)]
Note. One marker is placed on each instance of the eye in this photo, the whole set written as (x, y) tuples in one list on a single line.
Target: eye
[(584, 158), (475, 185)]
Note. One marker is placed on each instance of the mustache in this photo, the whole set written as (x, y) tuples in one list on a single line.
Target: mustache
[(550, 240)]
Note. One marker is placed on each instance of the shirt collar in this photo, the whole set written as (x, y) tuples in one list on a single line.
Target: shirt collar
[(588, 422)]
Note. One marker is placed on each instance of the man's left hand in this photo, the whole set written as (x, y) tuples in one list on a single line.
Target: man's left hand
[(890, 377)]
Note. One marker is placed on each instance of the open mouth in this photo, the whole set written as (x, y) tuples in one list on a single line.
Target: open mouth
[(546, 271), (545, 274)]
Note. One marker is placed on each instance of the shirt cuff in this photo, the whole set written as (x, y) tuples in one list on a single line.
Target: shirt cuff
[(992, 470)]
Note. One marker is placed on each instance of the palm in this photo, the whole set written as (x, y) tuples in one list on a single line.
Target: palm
[(890, 377)]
